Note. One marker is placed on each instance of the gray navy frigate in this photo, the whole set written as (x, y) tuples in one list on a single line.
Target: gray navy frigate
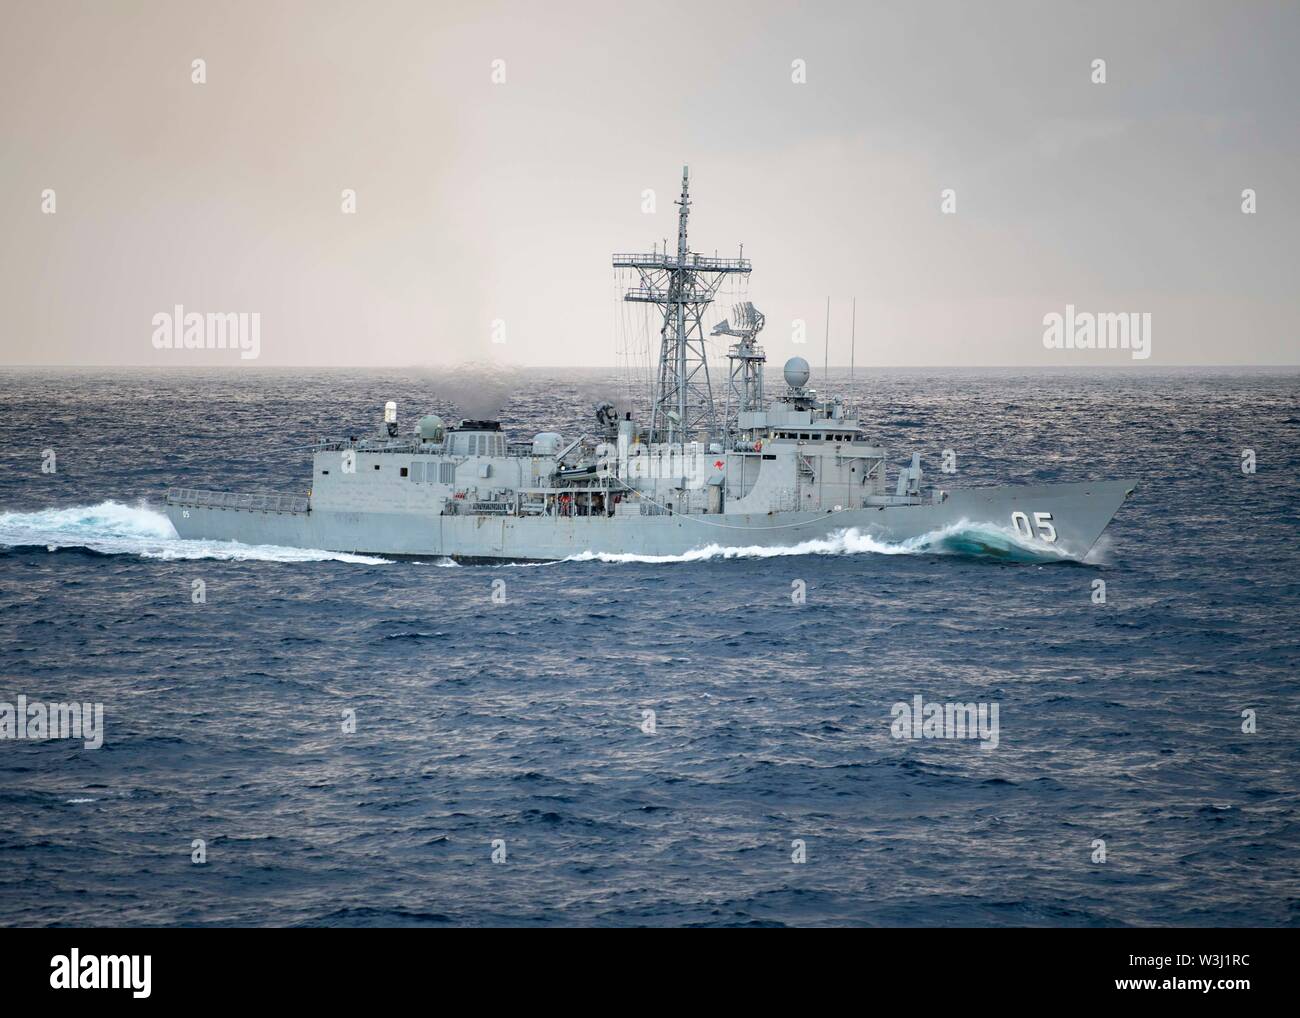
[(748, 471)]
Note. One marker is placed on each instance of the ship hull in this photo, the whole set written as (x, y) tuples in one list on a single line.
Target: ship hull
[(1063, 518)]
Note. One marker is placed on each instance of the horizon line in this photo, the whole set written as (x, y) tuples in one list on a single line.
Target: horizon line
[(247, 366)]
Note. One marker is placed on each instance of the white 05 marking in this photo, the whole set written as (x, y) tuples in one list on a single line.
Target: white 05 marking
[(1042, 522)]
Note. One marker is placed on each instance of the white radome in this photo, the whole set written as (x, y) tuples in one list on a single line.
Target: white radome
[(797, 372)]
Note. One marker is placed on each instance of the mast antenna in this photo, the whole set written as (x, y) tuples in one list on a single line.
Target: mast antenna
[(853, 348), (682, 285), (826, 355)]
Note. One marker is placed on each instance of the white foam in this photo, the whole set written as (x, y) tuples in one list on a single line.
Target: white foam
[(960, 538), (112, 528), (1102, 553)]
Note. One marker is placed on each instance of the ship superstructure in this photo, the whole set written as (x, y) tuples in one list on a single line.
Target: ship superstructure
[(757, 471)]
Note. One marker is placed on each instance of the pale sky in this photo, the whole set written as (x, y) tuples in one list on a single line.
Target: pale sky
[(480, 201)]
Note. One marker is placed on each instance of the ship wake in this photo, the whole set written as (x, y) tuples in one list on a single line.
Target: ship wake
[(112, 528), (970, 540)]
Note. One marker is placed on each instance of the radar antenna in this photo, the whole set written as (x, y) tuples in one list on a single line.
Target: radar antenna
[(682, 286), (745, 384)]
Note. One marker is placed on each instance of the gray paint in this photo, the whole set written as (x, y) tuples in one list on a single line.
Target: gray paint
[(1080, 513)]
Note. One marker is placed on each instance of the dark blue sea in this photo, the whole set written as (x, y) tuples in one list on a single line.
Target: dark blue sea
[(521, 723)]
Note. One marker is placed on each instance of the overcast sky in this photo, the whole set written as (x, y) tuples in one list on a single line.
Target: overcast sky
[(480, 201)]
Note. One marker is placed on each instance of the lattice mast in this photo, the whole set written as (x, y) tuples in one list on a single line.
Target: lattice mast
[(682, 285), (745, 384)]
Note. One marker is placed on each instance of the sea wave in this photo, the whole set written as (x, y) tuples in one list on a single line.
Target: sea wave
[(963, 538), (113, 528)]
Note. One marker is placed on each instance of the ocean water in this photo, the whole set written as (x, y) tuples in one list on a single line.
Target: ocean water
[(521, 724)]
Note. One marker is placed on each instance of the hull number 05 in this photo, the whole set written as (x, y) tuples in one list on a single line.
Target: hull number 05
[(1042, 524)]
